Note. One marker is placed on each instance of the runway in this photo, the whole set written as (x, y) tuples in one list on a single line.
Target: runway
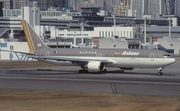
[(138, 81)]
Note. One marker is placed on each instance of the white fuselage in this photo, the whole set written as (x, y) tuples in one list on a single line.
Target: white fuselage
[(128, 62)]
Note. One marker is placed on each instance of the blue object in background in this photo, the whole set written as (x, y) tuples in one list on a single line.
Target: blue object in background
[(19, 57), (3, 44)]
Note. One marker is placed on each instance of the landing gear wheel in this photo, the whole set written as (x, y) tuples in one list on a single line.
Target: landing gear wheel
[(160, 73), (104, 71)]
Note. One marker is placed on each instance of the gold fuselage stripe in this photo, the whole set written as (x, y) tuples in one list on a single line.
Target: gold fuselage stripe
[(27, 34)]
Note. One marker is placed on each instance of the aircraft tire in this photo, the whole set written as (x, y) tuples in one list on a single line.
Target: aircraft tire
[(83, 71), (104, 71), (160, 73)]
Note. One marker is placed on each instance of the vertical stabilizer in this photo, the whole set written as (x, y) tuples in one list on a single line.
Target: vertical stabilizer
[(33, 40)]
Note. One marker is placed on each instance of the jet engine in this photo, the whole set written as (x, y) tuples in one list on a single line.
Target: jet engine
[(95, 66)]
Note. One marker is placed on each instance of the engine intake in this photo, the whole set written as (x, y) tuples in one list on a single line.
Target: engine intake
[(95, 66)]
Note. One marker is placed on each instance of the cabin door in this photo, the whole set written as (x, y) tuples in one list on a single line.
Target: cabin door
[(152, 56), (47, 53)]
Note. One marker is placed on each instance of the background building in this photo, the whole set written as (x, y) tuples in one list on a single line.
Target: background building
[(152, 8), (45, 4), (157, 7), (62, 3), (17, 4), (136, 8), (1, 11), (85, 3), (122, 8), (172, 7), (73, 4), (8, 4), (177, 8)]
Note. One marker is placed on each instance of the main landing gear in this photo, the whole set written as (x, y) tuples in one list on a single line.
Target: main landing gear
[(104, 71), (83, 70), (160, 73), (86, 71)]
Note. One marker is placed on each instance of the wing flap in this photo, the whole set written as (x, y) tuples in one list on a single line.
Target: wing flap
[(72, 59)]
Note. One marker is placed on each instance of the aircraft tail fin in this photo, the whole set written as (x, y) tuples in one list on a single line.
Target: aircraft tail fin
[(33, 40)]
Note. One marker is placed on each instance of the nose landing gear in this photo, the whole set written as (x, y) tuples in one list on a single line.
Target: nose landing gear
[(160, 73)]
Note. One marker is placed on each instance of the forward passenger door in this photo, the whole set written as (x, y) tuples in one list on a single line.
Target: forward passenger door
[(152, 56)]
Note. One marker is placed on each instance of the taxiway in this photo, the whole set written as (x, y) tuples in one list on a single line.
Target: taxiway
[(138, 81)]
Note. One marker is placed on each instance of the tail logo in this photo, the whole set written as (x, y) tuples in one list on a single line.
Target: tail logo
[(39, 44), (117, 53)]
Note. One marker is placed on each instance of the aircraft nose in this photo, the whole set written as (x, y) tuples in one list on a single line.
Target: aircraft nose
[(173, 60), (169, 61)]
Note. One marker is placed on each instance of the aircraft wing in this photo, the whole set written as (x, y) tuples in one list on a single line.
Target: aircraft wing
[(59, 58), (71, 59)]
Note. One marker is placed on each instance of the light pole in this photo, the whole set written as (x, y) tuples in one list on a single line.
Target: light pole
[(145, 30), (170, 28), (114, 17), (74, 39), (64, 42), (82, 33)]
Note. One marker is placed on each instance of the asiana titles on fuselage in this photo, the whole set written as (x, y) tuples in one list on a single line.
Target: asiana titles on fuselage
[(130, 53)]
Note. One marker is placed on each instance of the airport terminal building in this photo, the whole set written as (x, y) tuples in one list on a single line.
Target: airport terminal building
[(74, 29)]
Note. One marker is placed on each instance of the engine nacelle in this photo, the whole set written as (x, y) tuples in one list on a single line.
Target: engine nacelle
[(95, 66)]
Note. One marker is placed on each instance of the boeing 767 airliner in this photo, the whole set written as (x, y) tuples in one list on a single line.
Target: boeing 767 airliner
[(95, 60)]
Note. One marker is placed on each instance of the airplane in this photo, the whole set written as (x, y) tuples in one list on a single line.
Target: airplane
[(94, 60)]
